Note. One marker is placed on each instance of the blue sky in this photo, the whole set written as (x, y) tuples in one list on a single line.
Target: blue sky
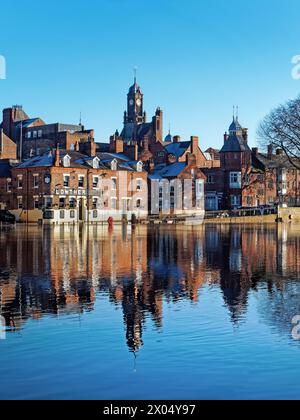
[(196, 59)]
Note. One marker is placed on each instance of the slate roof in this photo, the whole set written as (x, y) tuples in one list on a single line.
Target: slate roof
[(111, 156), (178, 149), (168, 171), (235, 143), (132, 130), (80, 160), (26, 123), (38, 161), (277, 161)]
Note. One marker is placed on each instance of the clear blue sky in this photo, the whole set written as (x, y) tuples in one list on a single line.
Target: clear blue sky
[(196, 59)]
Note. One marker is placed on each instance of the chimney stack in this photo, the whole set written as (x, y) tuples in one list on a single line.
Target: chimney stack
[(255, 151), (245, 134), (194, 144), (270, 151), (146, 144), (7, 121), (57, 156)]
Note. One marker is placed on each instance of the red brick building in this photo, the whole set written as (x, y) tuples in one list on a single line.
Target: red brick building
[(32, 136), (69, 187), (8, 149), (249, 178)]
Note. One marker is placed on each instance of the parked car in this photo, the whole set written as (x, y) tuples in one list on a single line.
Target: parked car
[(7, 217)]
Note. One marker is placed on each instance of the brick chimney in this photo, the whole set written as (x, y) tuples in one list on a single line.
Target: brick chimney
[(88, 147), (132, 152), (270, 151), (194, 144), (158, 124), (145, 144), (116, 143), (245, 134), (57, 156), (119, 145), (7, 121), (92, 147), (279, 152), (136, 152)]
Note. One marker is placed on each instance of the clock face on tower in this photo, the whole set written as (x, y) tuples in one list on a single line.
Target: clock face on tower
[(131, 102), (138, 102)]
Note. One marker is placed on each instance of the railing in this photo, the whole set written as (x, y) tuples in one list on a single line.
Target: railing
[(223, 214)]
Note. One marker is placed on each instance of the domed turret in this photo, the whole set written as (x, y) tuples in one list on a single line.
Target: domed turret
[(169, 138)]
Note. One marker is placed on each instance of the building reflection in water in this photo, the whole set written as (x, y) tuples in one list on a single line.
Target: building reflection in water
[(62, 270)]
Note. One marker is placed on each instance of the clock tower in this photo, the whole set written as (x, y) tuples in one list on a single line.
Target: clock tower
[(135, 113)]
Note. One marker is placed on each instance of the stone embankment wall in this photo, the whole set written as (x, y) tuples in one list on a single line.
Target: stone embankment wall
[(271, 218), (289, 214), (285, 215)]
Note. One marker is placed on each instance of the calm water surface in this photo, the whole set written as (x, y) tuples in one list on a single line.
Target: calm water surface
[(149, 313)]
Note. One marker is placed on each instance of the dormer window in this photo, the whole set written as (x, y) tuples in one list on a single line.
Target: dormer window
[(114, 165), (139, 167), (66, 161), (96, 162)]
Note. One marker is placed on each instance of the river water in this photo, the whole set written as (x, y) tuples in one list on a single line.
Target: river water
[(149, 313)]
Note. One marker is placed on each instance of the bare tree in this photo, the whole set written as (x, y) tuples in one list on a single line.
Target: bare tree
[(281, 129)]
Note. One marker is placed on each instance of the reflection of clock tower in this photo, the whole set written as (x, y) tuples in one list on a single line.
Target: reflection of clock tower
[(135, 113)]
